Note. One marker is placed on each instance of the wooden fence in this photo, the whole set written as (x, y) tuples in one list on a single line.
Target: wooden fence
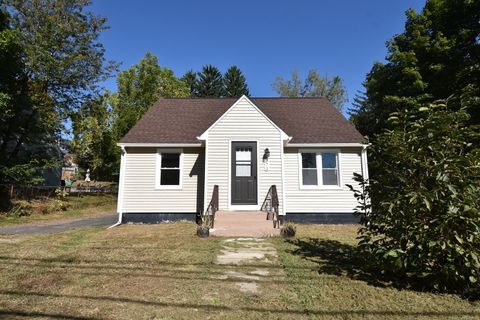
[(33, 192)]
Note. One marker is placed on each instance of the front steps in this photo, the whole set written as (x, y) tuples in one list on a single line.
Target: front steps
[(243, 224)]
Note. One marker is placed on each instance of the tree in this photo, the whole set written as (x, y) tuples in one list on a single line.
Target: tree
[(61, 48), (56, 62), (139, 87), (191, 79), (425, 195), (25, 126), (93, 142), (210, 83), (235, 83), (437, 56), (314, 85)]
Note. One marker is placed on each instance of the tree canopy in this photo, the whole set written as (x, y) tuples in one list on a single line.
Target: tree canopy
[(210, 82), (436, 56), (51, 64), (420, 112), (93, 143), (313, 85), (139, 87)]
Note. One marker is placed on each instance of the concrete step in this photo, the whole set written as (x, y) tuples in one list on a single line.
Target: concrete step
[(243, 224)]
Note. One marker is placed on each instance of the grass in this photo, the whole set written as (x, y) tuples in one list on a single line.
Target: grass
[(166, 272), (76, 207)]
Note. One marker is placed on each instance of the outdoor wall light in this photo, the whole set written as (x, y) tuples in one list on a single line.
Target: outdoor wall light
[(266, 155)]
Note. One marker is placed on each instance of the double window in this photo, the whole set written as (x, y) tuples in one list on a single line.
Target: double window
[(319, 169), (169, 169)]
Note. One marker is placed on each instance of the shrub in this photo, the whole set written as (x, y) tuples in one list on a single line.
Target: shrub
[(424, 220), (61, 193), (288, 230), (20, 209), (55, 205)]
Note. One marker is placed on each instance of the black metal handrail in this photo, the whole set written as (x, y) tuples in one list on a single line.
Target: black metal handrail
[(212, 207), (270, 205)]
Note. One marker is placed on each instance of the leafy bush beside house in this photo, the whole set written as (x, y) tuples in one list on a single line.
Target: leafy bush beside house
[(424, 222)]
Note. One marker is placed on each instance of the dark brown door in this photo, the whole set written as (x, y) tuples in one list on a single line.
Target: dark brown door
[(244, 173)]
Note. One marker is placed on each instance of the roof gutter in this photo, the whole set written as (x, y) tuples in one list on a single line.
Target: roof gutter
[(326, 145), (159, 145)]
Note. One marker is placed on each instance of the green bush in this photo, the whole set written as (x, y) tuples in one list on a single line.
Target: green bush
[(423, 223), (55, 205)]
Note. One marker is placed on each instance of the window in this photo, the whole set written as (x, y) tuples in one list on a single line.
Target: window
[(243, 161), (309, 169), (169, 173), (319, 169), (329, 169)]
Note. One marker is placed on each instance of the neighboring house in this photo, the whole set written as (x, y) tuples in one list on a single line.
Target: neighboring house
[(181, 148)]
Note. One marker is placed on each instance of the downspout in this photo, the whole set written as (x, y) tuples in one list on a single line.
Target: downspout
[(282, 155), (364, 162), (121, 181)]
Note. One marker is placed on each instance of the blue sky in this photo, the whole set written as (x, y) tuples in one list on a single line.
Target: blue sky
[(265, 39)]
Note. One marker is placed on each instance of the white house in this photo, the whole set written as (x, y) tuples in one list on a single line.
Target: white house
[(181, 148)]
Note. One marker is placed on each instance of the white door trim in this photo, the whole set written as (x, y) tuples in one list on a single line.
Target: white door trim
[(237, 207)]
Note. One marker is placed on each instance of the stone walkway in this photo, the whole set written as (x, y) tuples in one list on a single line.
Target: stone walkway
[(253, 256), (63, 225)]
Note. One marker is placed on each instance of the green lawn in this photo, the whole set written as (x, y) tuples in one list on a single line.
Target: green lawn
[(166, 272), (77, 207)]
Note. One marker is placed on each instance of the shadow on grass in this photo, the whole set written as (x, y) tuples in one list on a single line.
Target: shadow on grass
[(336, 258)]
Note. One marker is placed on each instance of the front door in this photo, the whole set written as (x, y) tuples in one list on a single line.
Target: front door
[(244, 173)]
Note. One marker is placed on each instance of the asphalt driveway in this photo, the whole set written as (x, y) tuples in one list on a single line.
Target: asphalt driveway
[(64, 225)]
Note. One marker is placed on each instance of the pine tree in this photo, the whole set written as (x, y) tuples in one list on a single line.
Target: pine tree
[(191, 79), (235, 83), (210, 82)]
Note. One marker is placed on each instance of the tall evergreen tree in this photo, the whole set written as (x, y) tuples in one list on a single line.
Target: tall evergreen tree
[(191, 79), (235, 83), (210, 82), (437, 56)]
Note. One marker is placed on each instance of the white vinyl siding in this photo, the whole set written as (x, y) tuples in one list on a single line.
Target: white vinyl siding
[(322, 199), (243, 122), (140, 193)]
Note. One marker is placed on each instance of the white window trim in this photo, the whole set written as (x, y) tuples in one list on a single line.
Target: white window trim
[(158, 168), (318, 158)]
